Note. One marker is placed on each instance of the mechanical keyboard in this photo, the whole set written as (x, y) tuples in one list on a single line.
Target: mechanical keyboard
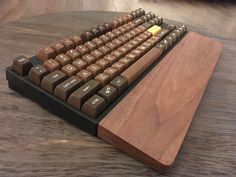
[(83, 78)]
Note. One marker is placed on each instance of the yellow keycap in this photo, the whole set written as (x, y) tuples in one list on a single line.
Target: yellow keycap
[(154, 30)]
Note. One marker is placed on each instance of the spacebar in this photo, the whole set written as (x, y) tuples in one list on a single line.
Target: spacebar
[(136, 69)]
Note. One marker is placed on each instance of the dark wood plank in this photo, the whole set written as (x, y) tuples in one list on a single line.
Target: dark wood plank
[(151, 122), (35, 142)]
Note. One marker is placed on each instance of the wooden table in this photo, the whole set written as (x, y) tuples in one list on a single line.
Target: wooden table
[(34, 142)]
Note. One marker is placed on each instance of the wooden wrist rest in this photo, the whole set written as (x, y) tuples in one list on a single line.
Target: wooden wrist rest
[(151, 121)]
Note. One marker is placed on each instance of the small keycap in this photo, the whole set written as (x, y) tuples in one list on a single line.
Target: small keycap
[(64, 89), (51, 80), (94, 106), (88, 58), (94, 69), (120, 84), (85, 75), (58, 47), (154, 30), (98, 42), (22, 65), (90, 45), (102, 28), (105, 38), (37, 73), (51, 65), (103, 63), (95, 32), (110, 58), (68, 43), (46, 53), (69, 70), (103, 78), (79, 96), (73, 54), (109, 93), (104, 49), (97, 54), (108, 26), (62, 59), (76, 39), (82, 50), (112, 72), (119, 65), (80, 64), (87, 36)]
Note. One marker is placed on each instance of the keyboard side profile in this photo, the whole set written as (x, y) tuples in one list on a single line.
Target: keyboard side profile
[(110, 79)]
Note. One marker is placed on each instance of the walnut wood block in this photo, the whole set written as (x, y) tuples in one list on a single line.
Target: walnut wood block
[(151, 122)]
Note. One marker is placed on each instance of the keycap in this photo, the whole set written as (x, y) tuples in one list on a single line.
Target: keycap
[(37, 73), (154, 29), (85, 75), (88, 58), (68, 43), (69, 70), (79, 64), (63, 59), (94, 106), (76, 39), (87, 36), (51, 65), (64, 89), (103, 63), (90, 45), (46, 53), (50, 81), (73, 54), (103, 78), (94, 69), (82, 50), (58, 47), (109, 93), (79, 96), (119, 83), (22, 65)]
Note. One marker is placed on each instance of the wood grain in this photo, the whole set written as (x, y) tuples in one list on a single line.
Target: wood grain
[(34, 142), (151, 122), (214, 15)]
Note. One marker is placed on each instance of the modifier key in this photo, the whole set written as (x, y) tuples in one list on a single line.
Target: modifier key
[(22, 65), (94, 106), (79, 96)]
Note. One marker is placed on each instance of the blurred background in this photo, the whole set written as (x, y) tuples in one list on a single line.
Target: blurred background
[(218, 17)]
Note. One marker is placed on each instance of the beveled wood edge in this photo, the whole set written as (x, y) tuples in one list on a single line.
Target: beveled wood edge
[(131, 150)]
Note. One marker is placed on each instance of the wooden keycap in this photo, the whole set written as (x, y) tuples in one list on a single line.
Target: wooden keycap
[(98, 42), (112, 72), (64, 89), (111, 45), (89, 59), (111, 35), (85, 75), (37, 73), (69, 70), (105, 50), (46, 53), (51, 80), (103, 63), (109, 93), (97, 54), (119, 83), (73, 54), (51, 65), (80, 64), (69, 44), (135, 70), (126, 61), (58, 47), (79, 96), (95, 69), (90, 45), (76, 39), (103, 78), (110, 58), (22, 65), (94, 106), (82, 49), (63, 59), (119, 65), (118, 54), (105, 38)]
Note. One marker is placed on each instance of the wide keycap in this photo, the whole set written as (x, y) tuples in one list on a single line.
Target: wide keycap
[(79, 96), (65, 88), (51, 80)]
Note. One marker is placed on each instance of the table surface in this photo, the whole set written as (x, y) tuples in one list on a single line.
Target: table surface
[(34, 142)]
